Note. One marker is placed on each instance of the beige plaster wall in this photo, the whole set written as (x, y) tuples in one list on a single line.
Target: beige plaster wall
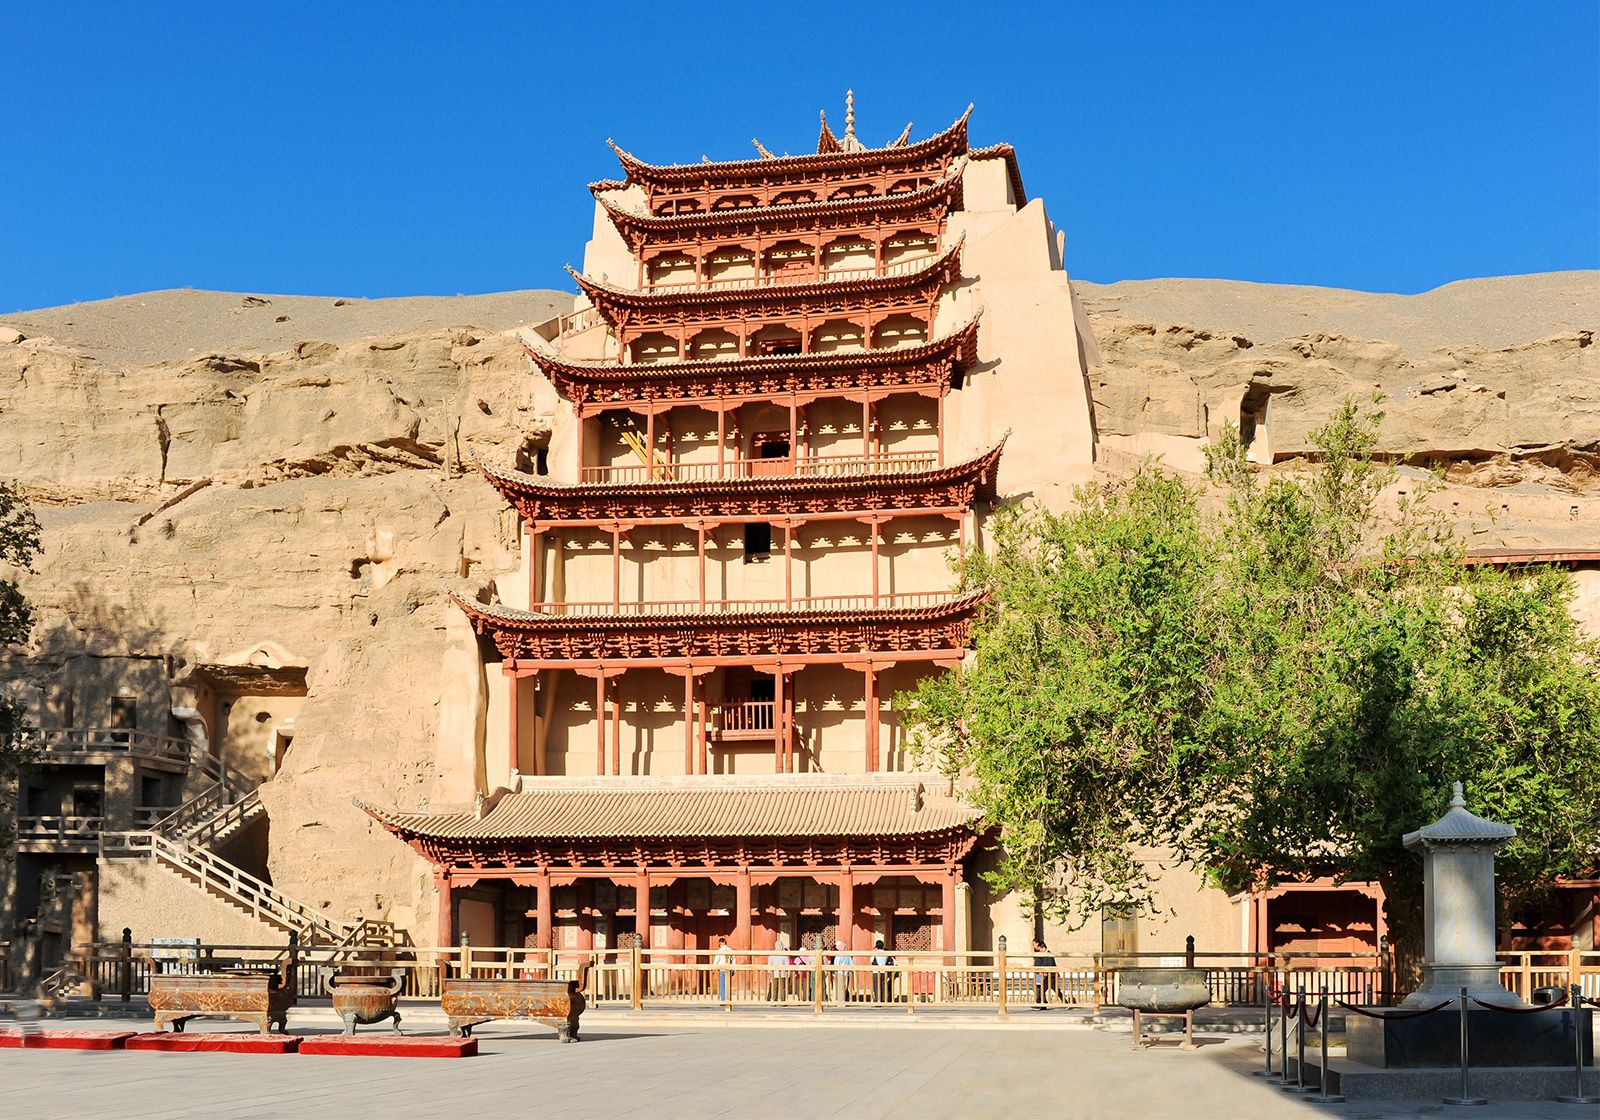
[(830, 723), (154, 901)]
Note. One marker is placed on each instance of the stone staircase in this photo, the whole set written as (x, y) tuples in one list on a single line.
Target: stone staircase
[(184, 843)]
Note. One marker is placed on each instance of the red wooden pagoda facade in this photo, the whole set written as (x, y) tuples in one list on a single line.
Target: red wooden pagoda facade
[(738, 543)]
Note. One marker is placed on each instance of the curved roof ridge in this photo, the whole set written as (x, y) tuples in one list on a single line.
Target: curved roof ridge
[(950, 179), (924, 269), (695, 365), (948, 602), (640, 169), (496, 472)]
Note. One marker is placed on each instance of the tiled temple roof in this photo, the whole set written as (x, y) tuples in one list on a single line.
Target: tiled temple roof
[(519, 487), (959, 344), (603, 293), (800, 805), (952, 140), (776, 217)]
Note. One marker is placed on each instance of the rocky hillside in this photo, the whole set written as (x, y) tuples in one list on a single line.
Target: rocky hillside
[(218, 470), (1496, 381)]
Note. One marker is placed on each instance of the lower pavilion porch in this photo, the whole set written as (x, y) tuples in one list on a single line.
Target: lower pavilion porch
[(910, 909)]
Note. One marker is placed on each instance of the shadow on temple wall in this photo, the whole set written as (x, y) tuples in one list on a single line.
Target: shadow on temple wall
[(90, 655)]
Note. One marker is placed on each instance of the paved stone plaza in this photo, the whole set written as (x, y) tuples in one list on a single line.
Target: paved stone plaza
[(920, 1073)]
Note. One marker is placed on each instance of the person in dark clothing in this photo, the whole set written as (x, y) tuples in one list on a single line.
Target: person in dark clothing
[(1045, 978)]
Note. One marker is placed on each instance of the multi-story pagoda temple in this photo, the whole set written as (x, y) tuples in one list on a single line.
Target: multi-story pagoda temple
[(789, 385)]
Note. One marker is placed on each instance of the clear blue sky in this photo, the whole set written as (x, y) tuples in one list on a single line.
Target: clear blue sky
[(403, 148)]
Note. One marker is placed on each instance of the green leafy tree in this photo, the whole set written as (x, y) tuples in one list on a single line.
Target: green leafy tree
[(1279, 689), (19, 544)]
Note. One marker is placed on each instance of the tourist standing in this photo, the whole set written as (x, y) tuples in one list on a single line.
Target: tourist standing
[(802, 965), (843, 962), (778, 966), (882, 981), (723, 959), (1045, 978)]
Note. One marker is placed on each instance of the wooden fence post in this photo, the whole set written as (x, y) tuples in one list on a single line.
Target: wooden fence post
[(1188, 951), (637, 987), (819, 978), (1002, 979), (125, 966)]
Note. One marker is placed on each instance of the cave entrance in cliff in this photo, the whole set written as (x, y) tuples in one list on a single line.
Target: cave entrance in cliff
[(248, 702)]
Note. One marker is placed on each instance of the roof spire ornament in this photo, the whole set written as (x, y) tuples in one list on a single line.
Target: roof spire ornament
[(849, 142)]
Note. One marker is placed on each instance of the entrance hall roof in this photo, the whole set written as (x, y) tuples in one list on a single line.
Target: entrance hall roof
[(792, 805)]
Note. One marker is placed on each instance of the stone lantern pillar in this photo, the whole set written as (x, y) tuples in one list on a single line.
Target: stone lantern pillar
[(1458, 906)]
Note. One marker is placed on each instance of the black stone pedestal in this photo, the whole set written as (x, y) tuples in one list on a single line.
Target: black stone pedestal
[(1494, 1038)]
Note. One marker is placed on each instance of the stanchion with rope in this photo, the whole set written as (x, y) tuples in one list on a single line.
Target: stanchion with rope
[(1325, 1097), (1306, 1020), (1578, 1096), (1466, 1097), (1283, 1039)]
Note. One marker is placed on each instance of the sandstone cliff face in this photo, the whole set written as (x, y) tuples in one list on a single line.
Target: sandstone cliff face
[(321, 498), (210, 478), (1509, 410)]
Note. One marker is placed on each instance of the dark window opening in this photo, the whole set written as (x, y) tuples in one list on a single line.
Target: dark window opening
[(88, 801), (761, 689), (124, 713), (773, 449), (757, 540), (541, 460)]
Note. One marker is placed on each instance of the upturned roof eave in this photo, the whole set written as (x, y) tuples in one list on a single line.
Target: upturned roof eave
[(959, 338), (639, 171), (509, 481), (601, 290)]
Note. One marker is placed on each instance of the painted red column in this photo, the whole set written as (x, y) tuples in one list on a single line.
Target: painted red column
[(700, 530), (778, 758), (705, 731), (871, 715), (641, 907), (616, 567), (873, 521), (600, 723), (546, 915), (616, 724), (948, 903), (688, 722), (447, 916), (788, 564), (513, 715), (845, 928), (741, 905)]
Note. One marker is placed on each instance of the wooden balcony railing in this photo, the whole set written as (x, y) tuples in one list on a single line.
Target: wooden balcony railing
[(815, 466), (744, 719), (59, 828), (910, 981), (144, 745), (884, 601), (799, 274), (97, 740)]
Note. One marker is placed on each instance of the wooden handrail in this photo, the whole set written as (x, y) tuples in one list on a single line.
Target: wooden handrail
[(886, 600), (812, 466), (262, 900)]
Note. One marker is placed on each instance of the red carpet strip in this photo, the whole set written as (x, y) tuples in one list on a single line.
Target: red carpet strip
[(217, 1041), (391, 1046)]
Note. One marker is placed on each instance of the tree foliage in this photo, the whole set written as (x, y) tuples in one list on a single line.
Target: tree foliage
[(19, 544), (1279, 688)]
